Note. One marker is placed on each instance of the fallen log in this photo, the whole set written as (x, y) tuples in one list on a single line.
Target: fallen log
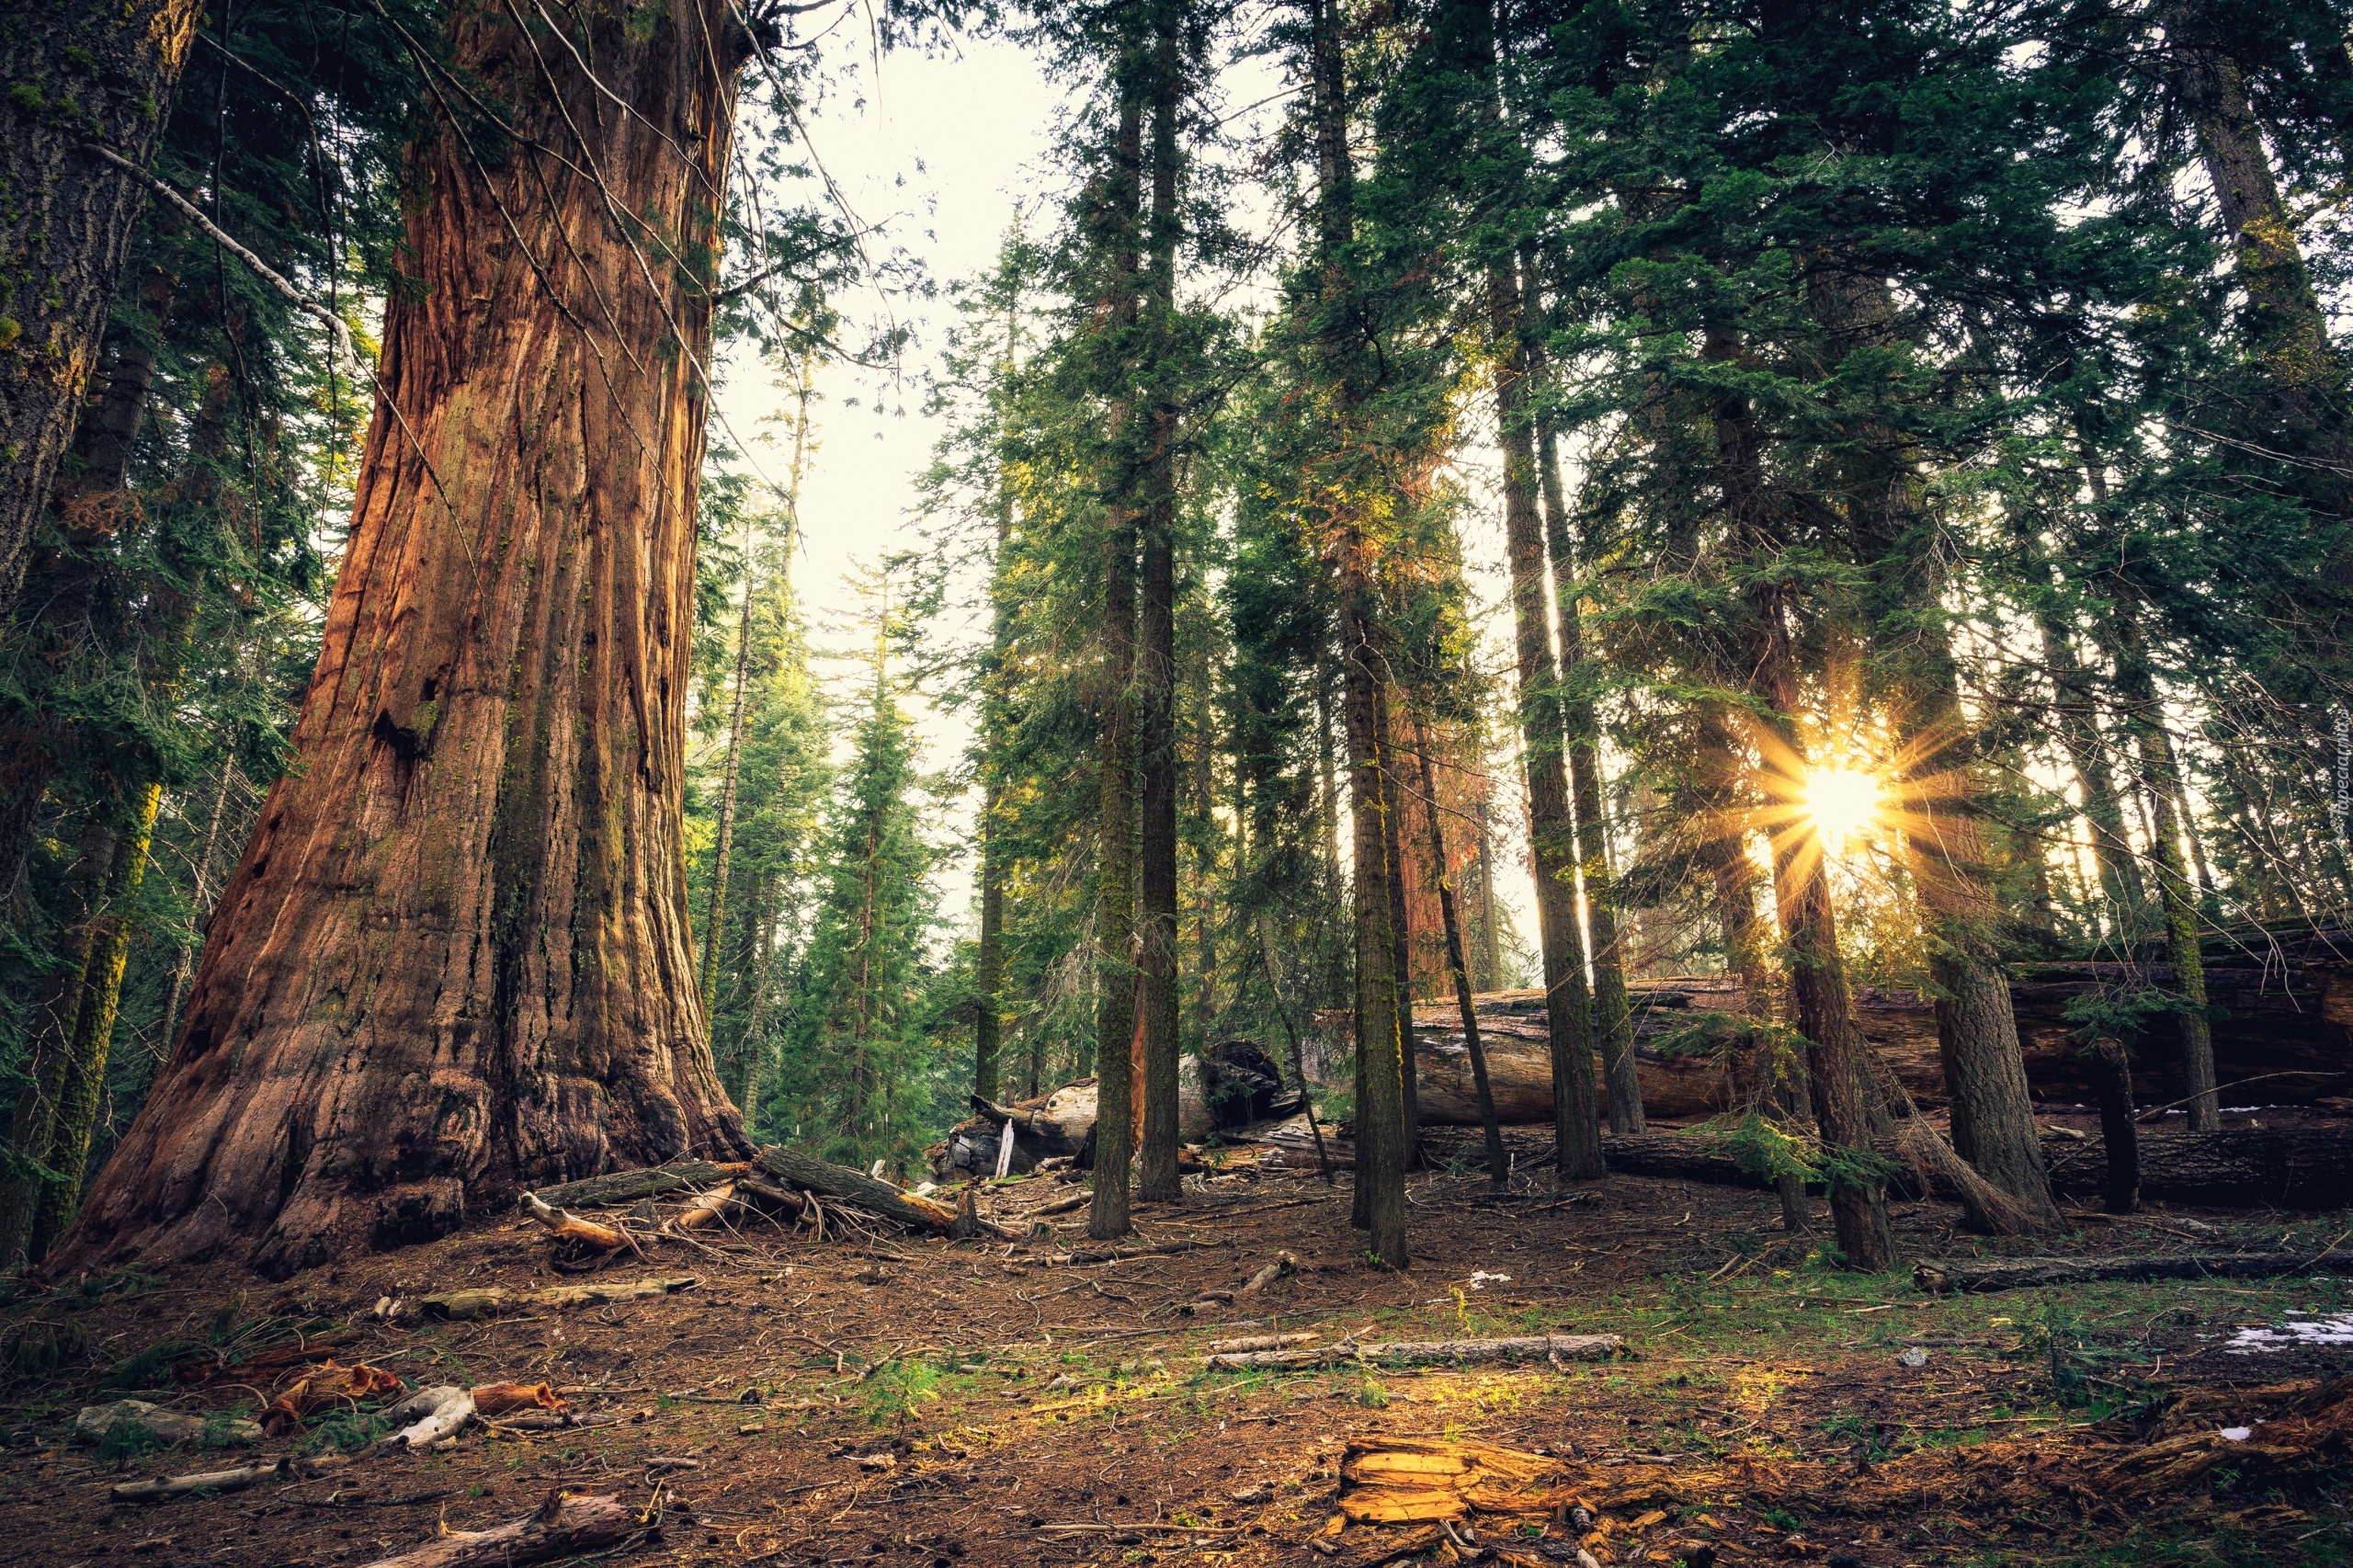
[(1260, 1342), (560, 1526), (1972, 1275), (1281, 1267), (1429, 1352), (870, 1193), (432, 1414), (162, 1488), (1121, 1255), (2294, 1167), (627, 1186), (461, 1306)]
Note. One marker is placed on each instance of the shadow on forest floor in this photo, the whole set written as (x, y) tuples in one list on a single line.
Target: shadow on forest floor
[(919, 1401)]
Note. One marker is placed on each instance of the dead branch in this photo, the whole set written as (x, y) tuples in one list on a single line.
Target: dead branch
[(1432, 1352), (432, 1414), (157, 1489), (560, 1526), (461, 1306)]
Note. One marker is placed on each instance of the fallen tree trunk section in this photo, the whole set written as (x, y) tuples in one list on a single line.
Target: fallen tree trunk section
[(2294, 1167), (627, 1186), (161, 1488), (569, 1227), (870, 1193), (461, 1306), (2019, 1273), (1430, 1352), (561, 1526)]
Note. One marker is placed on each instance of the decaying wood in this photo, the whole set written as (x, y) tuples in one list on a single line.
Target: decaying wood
[(159, 1488), (1420, 1480), (650, 1181), (1076, 1201), (1121, 1255), (490, 1301), (432, 1414), (2018, 1273), (1282, 1267), (561, 1526), (2295, 1167), (323, 1386), (1431, 1352), (566, 1226), (867, 1192), (1259, 1342)]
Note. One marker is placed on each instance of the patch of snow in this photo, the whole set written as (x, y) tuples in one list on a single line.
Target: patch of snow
[(1479, 1278), (2335, 1329), (2238, 1433)]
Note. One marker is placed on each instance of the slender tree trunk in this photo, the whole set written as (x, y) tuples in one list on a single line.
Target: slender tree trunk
[(199, 897), (477, 870), (1115, 1020), (1844, 1102), (715, 920), (2120, 1134), (1552, 834), (1401, 930), (52, 1028), (85, 1084), (1613, 1024), (1490, 939), (1498, 1163), (2145, 721), (1157, 655), (81, 74), (1381, 1142)]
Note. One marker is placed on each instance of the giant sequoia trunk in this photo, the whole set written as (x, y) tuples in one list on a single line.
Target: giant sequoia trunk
[(454, 959)]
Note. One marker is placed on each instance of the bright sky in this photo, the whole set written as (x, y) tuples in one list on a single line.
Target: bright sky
[(939, 157)]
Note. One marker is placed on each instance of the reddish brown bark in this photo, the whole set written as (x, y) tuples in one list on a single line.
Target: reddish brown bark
[(454, 959)]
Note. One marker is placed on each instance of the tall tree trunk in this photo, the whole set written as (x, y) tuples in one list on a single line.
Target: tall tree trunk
[(1498, 1163), (1401, 930), (1845, 1101), (52, 1027), (1490, 939), (2145, 721), (85, 1084), (81, 73), (2286, 329), (454, 959), (1157, 1179), (1613, 1022), (1383, 1149), (988, 967), (1552, 834), (199, 896), (714, 923), (1115, 1020)]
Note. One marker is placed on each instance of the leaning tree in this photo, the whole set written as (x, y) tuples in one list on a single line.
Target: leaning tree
[(455, 959)]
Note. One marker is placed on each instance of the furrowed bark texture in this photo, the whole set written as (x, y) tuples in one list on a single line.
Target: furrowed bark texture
[(454, 959), (79, 71)]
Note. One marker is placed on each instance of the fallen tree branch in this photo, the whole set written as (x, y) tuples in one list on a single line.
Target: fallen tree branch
[(566, 1226), (560, 1526), (1121, 1255), (2018, 1273), (1431, 1352), (159, 1488), (875, 1196), (461, 1306)]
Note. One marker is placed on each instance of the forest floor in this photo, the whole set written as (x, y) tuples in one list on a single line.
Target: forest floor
[(913, 1401)]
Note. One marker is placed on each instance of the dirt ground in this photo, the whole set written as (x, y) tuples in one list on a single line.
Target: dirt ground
[(888, 1399)]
